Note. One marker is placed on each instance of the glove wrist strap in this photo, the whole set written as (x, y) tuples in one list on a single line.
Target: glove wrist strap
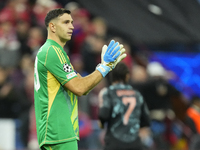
[(103, 69)]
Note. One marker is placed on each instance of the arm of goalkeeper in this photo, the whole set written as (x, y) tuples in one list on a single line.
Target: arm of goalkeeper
[(111, 55)]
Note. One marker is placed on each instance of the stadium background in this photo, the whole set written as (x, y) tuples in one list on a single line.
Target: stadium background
[(166, 31)]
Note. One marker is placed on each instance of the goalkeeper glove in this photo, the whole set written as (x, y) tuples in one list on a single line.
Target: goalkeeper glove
[(121, 56), (110, 56)]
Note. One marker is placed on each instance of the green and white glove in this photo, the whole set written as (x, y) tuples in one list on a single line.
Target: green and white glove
[(120, 57), (110, 56)]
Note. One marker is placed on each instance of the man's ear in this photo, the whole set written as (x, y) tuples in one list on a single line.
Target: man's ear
[(52, 27)]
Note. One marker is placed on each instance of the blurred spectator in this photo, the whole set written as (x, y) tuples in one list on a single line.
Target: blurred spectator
[(35, 39), (92, 43), (124, 112), (85, 130), (2, 4), (82, 28), (41, 8), (89, 103), (23, 26), (164, 103), (9, 44), (63, 2), (14, 103), (193, 115), (129, 61), (16, 10), (32, 139), (27, 68), (93, 100), (195, 142), (22, 10), (74, 8), (91, 51), (7, 100), (193, 122), (8, 12), (22, 79), (100, 26), (138, 74), (77, 62), (157, 91)]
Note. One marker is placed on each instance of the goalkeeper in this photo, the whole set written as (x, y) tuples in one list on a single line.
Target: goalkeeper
[(56, 85)]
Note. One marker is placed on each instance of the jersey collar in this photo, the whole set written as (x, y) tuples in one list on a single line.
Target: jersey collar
[(54, 43)]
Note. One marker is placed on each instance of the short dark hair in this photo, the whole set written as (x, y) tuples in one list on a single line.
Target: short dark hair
[(119, 73), (54, 14)]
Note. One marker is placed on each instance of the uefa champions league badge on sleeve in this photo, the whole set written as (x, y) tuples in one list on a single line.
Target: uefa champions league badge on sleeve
[(67, 68)]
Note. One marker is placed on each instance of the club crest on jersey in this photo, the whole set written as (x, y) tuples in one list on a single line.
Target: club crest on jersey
[(67, 68)]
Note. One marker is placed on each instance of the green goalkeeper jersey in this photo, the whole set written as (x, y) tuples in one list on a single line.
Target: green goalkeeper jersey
[(55, 108)]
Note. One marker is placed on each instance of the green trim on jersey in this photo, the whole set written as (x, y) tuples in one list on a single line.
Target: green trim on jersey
[(56, 109)]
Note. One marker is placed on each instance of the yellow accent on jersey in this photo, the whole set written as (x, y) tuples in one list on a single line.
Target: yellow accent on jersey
[(74, 112), (74, 115), (62, 55), (56, 50), (46, 55), (71, 96), (53, 87), (76, 128)]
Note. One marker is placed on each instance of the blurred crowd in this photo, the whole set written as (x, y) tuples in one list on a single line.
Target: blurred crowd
[(22, 31)]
